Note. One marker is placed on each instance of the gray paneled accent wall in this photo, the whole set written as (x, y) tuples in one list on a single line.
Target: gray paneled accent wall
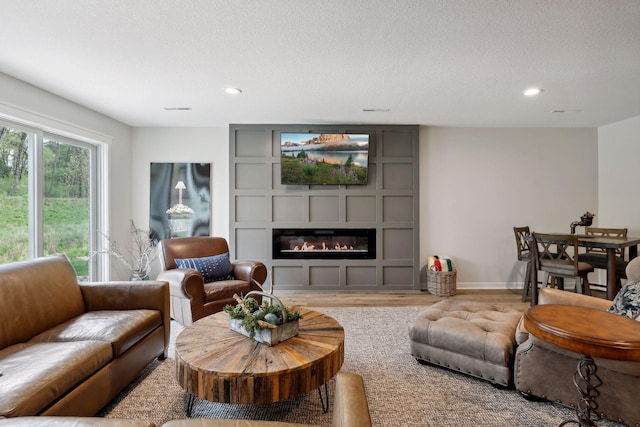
[(388, 203)]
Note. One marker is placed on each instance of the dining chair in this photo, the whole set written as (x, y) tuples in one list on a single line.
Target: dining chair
[(523, 239), (597, 257), (557, 256)]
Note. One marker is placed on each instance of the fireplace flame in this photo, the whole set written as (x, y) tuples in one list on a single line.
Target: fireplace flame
[(311, 247)]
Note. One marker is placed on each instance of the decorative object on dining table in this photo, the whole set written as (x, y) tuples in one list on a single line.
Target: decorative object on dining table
[(585, 220), (138, 257), (268, 323)]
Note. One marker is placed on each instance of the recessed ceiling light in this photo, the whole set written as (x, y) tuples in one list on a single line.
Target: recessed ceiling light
[(177, 108), (233, 91), (532, 91)]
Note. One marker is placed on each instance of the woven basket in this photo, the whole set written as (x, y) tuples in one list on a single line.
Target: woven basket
[(441, 283)]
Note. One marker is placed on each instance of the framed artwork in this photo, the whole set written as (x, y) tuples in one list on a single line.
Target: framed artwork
[(180, 200)]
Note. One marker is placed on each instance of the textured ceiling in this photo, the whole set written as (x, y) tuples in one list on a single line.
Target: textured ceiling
[(446, 63)]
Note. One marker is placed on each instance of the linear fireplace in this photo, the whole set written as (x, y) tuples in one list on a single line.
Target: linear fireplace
[(324, 243)]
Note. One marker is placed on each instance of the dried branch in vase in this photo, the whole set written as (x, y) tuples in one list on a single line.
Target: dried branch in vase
[(142, 251)]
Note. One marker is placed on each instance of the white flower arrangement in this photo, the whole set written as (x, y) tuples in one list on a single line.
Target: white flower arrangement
[(180, 211)]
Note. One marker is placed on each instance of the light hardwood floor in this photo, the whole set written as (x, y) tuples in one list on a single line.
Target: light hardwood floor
[(506, 298)]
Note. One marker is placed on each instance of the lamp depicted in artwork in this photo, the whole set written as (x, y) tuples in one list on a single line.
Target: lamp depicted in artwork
[(179, 215), (180, 186)]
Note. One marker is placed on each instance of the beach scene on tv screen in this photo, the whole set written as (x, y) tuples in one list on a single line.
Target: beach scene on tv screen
[(324, 158)]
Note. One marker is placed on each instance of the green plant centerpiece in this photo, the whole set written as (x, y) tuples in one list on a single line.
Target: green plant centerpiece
[(269, 322)]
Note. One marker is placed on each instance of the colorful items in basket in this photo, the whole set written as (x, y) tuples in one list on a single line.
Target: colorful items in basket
[(439, 263)]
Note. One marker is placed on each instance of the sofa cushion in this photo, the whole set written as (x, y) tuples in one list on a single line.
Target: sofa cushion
[(212, 268), (627, 301), (122, 329), (35, 374), (220, 290), (37, 295)]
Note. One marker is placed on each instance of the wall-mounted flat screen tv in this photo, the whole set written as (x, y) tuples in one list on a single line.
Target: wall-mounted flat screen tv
[(324, 158)]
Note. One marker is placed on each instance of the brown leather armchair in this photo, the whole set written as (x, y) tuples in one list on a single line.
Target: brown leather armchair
[(191, 297)]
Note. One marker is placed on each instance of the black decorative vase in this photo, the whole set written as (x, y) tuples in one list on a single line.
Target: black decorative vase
[(586, 220)]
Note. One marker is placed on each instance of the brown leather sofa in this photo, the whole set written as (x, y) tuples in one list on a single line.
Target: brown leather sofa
[(68, 348), (350, 409), (546, 371), (191, 297)]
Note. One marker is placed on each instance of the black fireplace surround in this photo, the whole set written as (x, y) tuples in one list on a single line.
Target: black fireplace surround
[(324, 243)]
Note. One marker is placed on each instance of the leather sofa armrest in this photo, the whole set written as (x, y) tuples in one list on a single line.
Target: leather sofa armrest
[(521, 332), (184, 283), (143, 294), (250, 270), (633, 270), (72, 421), (186, 287), (556, 296), (350, 407)]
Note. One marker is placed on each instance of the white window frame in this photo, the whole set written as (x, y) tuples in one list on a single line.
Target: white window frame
[(98, 191)]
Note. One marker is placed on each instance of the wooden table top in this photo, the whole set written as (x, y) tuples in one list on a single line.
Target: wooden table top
[(586, 331), (600, 241), (607, 242), (220, 365)]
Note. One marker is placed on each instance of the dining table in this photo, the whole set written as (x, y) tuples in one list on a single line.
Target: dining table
[(610, 244)]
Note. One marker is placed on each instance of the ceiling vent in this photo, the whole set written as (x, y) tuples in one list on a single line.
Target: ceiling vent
[(566, 111)]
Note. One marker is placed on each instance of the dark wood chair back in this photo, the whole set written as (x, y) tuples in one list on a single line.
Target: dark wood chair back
[(522, 244), (556, 254), (614, 233)]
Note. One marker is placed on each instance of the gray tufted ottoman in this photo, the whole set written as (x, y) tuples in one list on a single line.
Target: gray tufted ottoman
[(470, 337)]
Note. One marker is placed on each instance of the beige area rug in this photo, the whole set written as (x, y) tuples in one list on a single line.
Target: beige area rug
[(400, 391)]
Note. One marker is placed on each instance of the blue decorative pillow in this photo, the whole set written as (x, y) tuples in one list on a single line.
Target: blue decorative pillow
[(627, 302), (212, 268)]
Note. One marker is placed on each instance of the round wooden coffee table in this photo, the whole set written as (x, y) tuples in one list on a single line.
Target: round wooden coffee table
[(217, 364), (592, 333)]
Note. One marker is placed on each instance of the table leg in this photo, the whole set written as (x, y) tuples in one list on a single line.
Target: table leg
[(325, 404), (534, 283), (611, 274), (190, 400), (586, 381)]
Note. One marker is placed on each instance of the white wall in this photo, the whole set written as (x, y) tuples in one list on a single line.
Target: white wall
[(619, 168), (476, 184), (182, 145)]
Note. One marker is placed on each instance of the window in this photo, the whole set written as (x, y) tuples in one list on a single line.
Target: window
[(14, 189), (47, 197)]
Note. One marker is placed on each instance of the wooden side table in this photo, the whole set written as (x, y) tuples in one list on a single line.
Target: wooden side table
[(592, 333)]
